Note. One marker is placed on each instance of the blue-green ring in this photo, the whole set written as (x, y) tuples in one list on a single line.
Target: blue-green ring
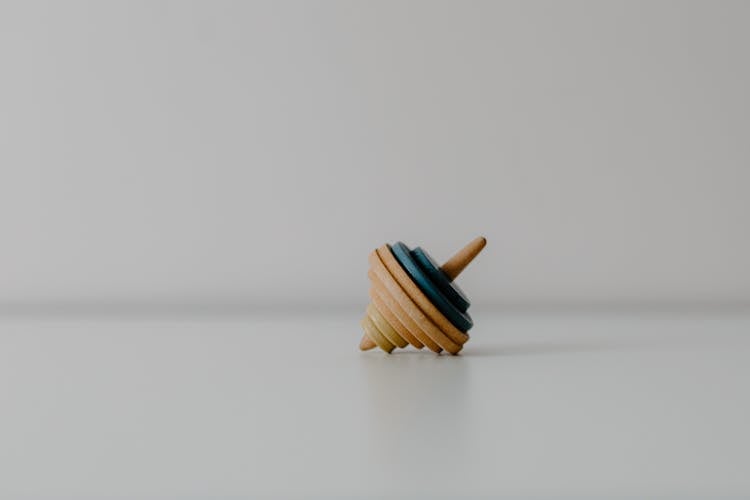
[(438, 278), (460, 320)]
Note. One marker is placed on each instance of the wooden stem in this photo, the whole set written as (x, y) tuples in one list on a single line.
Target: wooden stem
[(366, 343), (461, 259)]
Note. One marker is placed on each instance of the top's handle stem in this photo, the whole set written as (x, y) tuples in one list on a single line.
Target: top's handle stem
[(453, 267)]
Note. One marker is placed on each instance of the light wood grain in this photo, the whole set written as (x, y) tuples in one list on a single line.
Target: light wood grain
[(366, 343), (398, 310), (419, 298), (404, 299), (381, 302), (385, 328), (453, 267), (375, 335)]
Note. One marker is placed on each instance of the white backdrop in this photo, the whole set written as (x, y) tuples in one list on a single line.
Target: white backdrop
[(253, 153)]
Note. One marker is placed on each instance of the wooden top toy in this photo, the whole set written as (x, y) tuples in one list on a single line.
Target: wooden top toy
[(414, 301)]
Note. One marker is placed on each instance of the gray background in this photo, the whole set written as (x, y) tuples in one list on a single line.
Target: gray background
[(215, 156), (237, 154)]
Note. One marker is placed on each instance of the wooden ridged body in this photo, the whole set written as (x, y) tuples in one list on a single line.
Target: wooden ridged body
[(400, 314)]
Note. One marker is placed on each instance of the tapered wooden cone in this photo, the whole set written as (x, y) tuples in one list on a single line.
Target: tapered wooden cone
[(461, 259), (366, 343)]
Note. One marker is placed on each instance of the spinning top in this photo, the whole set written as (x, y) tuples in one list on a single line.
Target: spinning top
[(414, 301)]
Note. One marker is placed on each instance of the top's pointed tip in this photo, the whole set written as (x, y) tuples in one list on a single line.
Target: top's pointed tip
[(463, 257)]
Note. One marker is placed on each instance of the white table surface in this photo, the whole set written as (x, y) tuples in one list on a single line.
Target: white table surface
[(538, 405)]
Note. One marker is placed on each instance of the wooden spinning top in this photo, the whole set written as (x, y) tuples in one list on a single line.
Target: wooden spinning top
[(414, 301)]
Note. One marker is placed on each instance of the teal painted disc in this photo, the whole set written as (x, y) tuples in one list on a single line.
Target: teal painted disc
[(438, 278), (459, 319)]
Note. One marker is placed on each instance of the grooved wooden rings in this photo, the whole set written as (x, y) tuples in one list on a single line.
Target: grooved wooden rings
[(411, 302)]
